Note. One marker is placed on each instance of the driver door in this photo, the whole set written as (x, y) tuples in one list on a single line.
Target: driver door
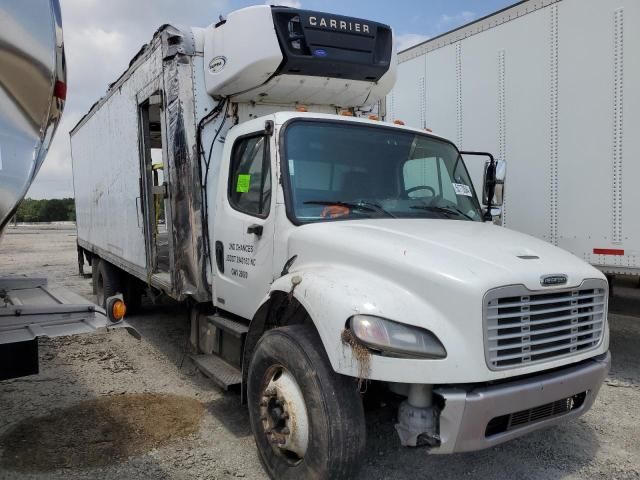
[(243, 233)]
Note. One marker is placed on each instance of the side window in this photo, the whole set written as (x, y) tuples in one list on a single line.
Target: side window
[(250, 176)]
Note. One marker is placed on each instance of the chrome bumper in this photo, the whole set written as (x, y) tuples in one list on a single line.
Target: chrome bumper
[(466, 414)]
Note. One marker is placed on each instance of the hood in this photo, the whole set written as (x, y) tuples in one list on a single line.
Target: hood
[(469, 254)]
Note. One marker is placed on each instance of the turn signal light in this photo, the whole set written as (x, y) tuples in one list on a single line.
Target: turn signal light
[(398, 122), (116, 308)]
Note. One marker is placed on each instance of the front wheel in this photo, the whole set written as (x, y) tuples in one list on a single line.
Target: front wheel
[(308, 421)]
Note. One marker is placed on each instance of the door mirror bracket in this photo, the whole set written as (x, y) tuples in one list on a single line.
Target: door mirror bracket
[(493, 184)]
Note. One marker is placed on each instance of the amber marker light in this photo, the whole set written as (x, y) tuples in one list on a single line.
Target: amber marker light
[(116, 309)]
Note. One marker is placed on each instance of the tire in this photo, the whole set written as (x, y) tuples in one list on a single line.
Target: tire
[(107, 282), (94, 273), (334, 412), (132, 293)]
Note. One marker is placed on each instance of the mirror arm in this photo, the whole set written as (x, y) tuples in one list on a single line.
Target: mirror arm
[(491, 189)]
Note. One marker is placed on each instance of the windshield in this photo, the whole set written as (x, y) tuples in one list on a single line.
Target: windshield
[(350, 171)]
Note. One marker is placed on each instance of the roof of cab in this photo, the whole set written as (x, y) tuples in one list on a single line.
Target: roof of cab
[(282, 117)]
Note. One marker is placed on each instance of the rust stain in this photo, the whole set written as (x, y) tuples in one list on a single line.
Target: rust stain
[(361, 354)]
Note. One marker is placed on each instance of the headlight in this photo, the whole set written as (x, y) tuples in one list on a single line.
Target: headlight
[(396, 338)]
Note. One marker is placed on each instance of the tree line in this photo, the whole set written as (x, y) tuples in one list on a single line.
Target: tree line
[(48, 210)]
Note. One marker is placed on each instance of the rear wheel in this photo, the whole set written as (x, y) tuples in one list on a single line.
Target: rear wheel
[(308, 421), (107, 282), (132, 293)]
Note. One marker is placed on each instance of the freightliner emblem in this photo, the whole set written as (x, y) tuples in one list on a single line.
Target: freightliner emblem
[(555, 279)]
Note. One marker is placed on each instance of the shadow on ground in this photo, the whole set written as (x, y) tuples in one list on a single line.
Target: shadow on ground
[(99, 432)]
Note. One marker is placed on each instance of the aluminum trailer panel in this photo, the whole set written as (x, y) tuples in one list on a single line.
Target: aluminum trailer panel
[(549, 86), (32, 94)]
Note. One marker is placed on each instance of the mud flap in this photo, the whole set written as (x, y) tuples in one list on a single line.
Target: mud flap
[(18, 359)]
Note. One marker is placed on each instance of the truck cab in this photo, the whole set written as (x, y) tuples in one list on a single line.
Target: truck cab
[(314, 169), (375, 232)]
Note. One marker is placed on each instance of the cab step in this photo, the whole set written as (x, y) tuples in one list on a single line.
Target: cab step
[(228, 325), (226, 376)]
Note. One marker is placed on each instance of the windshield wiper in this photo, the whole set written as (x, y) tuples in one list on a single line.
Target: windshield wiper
[(379, 208), (364, 206), (445, 210)]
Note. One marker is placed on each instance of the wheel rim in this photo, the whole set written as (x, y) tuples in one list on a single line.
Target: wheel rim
[(283, 414)]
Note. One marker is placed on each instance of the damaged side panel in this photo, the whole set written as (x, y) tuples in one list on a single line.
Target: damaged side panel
[(185, 193)]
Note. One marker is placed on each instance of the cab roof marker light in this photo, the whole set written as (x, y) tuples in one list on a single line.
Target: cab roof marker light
[(398, 122)]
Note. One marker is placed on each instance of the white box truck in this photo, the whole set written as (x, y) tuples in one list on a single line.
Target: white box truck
[(551, 87), (236, 167)]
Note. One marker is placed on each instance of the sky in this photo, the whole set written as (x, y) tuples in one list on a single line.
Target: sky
[(101, 36)]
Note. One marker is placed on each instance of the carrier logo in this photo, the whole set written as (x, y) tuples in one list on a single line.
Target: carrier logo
[(340, 25), (550, 280), (217, 64)]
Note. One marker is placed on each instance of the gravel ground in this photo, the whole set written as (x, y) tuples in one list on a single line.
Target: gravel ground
[(111, 407)]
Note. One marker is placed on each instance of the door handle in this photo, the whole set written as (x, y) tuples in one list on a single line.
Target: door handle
[(220, 256), (255, 229)]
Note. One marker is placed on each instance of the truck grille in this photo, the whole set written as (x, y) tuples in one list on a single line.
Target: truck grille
[(522, 418), (523, 327)]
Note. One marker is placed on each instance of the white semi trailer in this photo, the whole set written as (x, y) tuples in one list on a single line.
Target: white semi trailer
[(551, 87), (236, 167)]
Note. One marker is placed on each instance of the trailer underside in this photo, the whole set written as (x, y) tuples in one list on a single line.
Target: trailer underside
[(30, 308)]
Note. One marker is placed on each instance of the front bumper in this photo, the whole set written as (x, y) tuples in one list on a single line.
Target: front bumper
[(517, 407)]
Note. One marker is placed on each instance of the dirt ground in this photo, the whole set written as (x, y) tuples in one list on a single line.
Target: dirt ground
[(109, 406)]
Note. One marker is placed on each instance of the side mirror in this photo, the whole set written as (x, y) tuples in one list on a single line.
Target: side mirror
[(495, 172), (494, 177)]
